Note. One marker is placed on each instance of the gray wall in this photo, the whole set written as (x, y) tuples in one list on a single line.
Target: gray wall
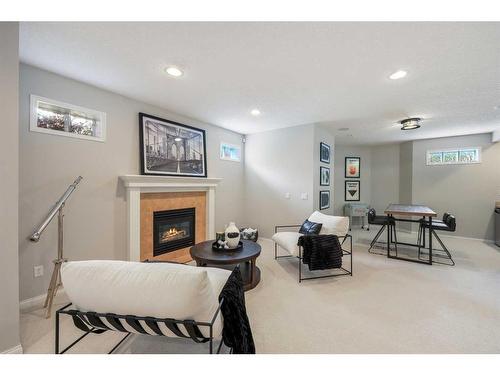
[(469, 191), (277, 162), (406, 177), (384, 176), (95, 221), (9, 172)]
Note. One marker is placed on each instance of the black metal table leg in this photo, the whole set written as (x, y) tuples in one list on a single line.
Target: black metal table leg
[(430, 239)]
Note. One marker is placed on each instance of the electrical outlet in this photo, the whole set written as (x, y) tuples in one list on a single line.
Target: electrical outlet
[(304, 196), (38, 271), (287, 195)]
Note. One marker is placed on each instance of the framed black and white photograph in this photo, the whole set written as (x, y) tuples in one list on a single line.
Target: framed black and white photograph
[(324, 153), (170, 148), (324, 199), (352, 191), (352, 167), (324, 173)]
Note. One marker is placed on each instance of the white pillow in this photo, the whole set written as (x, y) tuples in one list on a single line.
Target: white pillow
[(338, 225), (161, 290), (288, 241)]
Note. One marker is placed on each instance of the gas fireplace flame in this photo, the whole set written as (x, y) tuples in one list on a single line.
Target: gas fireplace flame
[(172, 234)]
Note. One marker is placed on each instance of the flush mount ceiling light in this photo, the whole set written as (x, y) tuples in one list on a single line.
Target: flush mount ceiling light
[(255, 112), (399, 74), (410, 123), (177, 139), (173, 71)]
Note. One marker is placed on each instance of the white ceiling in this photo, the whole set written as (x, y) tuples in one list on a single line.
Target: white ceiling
[(335, 74)]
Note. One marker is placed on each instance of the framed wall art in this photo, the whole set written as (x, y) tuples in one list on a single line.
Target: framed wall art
[(324, 153), (352, 167), (324, 174), (324, 199), (352, 191), (170, 148)]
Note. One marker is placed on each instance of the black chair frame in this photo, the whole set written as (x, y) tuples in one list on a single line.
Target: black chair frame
[(392, 229), (92, 322), (421, 245), (344, 271)]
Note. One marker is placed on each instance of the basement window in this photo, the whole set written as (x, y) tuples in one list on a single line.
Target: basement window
[(230, 152), (469, 155), (53, 117)]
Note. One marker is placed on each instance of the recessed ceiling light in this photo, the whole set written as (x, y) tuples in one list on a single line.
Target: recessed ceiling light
[(255, 112), (410, 123), (177, 139), (399, 74), (173, 71)]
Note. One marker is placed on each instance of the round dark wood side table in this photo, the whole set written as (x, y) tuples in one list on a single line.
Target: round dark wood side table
[(204, 255)]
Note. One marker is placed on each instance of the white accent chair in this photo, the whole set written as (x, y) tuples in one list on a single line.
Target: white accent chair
[(287, 240), (159, 299)]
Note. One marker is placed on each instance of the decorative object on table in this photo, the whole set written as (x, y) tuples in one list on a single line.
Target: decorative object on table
[(220, 245), (220, 236), (352, 191), (249, 234), (352, 167), (55, 280), (310, 227), (230, 152), (324, 199), (170, 148), (357, 210), (324, 153), (324, 173), (232, 235)]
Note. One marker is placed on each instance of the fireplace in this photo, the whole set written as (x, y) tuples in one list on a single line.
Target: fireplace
[(173, 230)]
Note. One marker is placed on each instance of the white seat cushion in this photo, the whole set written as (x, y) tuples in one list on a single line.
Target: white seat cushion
[(288, 241), (338, 225), (161, 290)]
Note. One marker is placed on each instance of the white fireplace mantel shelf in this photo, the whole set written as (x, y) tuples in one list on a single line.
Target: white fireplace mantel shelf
[(137, 184), (140, 181)]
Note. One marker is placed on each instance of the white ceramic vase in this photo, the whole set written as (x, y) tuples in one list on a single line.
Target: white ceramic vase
[(232, 235)]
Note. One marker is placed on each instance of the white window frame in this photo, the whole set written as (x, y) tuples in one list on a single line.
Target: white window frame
[(230, 145), (457, 149), (101, 116)]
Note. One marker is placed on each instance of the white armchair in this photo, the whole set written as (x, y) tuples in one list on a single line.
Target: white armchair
[(287, 238)]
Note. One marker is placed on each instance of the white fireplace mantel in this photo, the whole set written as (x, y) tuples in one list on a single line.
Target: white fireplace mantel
[(137, 184)]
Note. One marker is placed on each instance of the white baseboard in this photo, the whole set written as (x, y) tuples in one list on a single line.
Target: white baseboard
[(36, 302), (15, 350)]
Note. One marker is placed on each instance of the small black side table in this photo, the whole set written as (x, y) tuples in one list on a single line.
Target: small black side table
[(204, 255)]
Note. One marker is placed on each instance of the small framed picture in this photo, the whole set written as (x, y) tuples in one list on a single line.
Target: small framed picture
[(324, 153), (324, 199), (352, 191), (352, 167), (324, 173)]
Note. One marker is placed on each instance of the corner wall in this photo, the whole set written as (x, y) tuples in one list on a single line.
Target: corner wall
[(9, 187), (278, 162)]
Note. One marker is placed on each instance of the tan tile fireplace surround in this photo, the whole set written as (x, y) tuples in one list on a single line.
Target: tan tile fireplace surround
[(151, 202), (147, 194)]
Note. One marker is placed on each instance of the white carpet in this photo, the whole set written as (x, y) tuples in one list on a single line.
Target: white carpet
[(388, 306)]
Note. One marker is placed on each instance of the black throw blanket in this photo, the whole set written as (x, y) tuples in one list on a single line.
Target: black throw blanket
[(321, 252), (236, 332)]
